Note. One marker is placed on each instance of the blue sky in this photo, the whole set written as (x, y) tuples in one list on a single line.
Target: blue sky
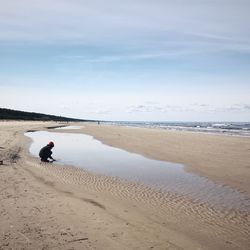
[(127, 60)]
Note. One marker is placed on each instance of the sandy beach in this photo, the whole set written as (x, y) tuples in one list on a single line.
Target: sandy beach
[(50, 206)]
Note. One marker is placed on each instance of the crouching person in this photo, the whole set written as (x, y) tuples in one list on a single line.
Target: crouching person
[(45, 153)]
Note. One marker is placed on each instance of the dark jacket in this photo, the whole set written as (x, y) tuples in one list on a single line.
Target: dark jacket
[(46, 153)]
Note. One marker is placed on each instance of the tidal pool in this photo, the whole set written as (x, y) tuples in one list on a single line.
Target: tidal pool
[(70, 127), (90, 154)]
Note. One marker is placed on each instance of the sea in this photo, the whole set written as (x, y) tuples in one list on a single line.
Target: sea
[(226, 128)]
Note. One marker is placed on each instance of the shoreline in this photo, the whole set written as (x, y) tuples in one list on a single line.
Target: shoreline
[(74, 204), (223, 159), (221, 128)]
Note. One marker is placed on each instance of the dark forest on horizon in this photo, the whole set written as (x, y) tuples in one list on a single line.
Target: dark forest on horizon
[(10, 114)]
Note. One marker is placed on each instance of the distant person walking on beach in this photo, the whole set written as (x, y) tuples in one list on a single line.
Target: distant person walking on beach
[(45, 153)]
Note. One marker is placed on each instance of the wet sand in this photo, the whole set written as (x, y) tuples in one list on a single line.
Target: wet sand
[(225, 159), (48, 206)]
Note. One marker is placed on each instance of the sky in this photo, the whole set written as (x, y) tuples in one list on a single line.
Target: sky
[(131, 60)]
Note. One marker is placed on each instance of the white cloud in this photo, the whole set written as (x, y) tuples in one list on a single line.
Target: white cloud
[(196, 108), (237, 108), (122, 106), (117, 21), (129, 57), (142, 108), (155, 107)]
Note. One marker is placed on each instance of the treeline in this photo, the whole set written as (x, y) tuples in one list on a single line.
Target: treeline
[(9, 114)]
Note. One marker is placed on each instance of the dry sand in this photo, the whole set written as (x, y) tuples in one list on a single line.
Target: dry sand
[(47, 206)]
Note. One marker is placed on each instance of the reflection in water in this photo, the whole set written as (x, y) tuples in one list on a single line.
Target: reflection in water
[(71, 127), (85, 152)]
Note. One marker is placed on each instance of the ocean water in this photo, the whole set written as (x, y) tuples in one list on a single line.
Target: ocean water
[(227, 128)]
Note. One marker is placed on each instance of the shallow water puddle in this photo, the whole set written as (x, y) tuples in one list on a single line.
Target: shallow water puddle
[(90, 154), (70, 127)]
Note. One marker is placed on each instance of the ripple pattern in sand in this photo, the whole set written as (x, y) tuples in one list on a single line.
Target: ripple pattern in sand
[(85, 152), (225, 222)]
